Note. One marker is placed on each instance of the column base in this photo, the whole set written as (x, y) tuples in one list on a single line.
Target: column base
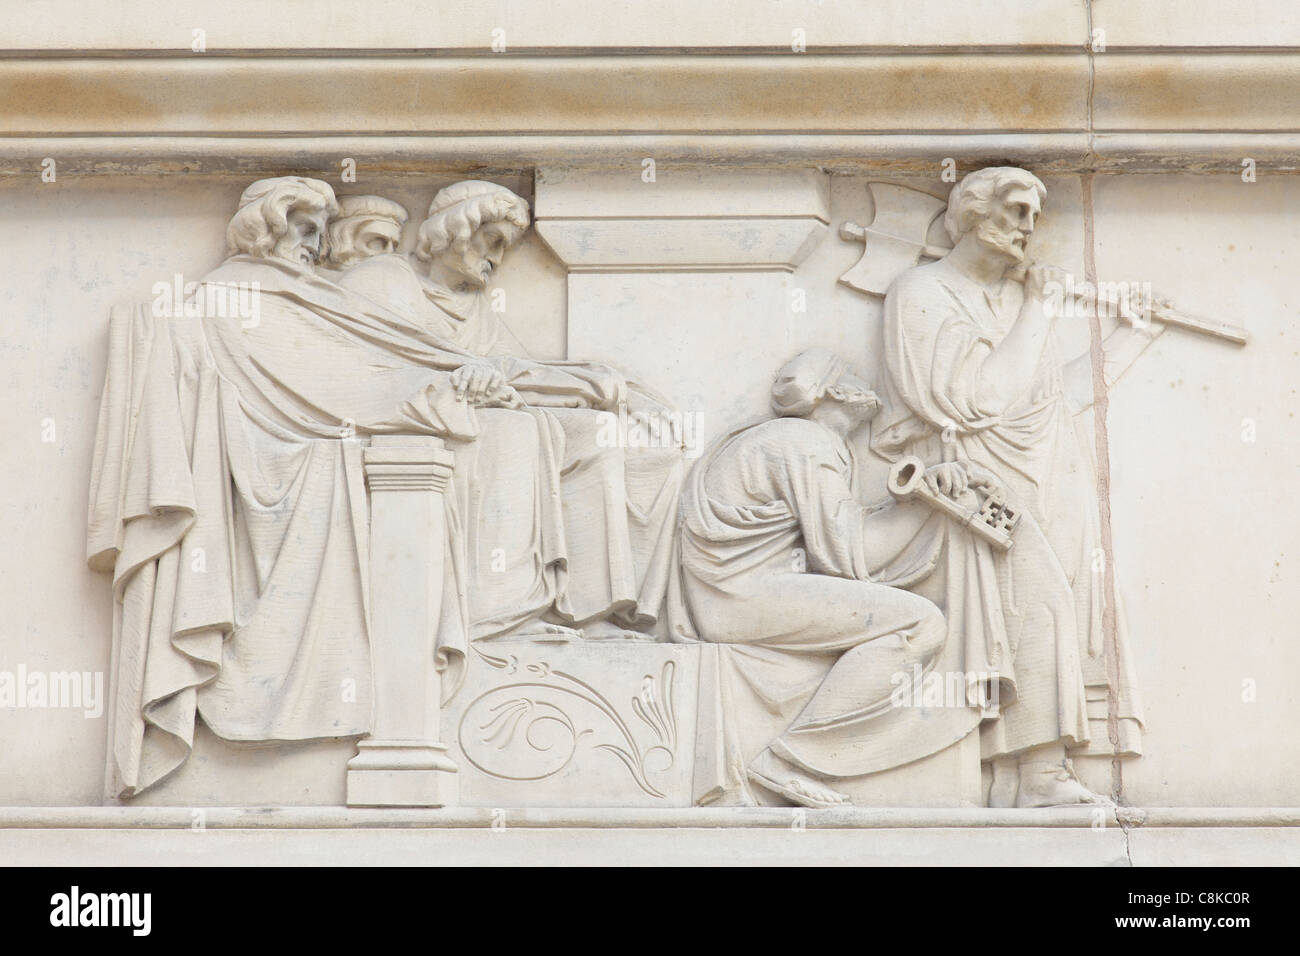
[(402, 773)]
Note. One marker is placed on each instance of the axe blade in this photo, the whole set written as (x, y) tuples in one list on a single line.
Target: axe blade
[(895, 240), (884, 260)]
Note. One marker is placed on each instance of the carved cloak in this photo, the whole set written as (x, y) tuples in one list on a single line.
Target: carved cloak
[(228, 500), (939, 327), (618, 501), (800, 588)]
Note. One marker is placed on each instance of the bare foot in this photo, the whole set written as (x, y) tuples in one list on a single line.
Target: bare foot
[(543, 632), (1053, 785), (770, 771), (609, 631)]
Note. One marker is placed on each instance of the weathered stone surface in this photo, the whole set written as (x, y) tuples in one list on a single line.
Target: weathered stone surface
[(658, 300)]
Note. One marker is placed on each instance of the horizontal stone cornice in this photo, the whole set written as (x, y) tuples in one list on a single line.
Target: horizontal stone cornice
[(1063, 110), (532, 95)]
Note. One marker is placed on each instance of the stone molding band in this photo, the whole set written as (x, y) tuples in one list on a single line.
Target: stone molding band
[(331, 818), (1117, 110), (898, 154)]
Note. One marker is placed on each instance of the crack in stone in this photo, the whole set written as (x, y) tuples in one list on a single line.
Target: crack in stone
[(1101, 403)]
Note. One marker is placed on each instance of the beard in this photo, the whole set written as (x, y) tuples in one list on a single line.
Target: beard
[(298, 253), (1010, 243), (863, 405), (475, 274)]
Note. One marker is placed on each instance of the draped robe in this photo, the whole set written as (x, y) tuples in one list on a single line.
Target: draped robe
[(618, 505), (229, 502), (800, 587), (939, 328)]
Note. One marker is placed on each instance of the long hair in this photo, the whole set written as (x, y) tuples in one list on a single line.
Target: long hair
[(264, 207)]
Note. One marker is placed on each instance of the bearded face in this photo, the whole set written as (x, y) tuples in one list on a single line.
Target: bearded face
[(856, 396), (1007, 227), (304, 237), (483, 253)]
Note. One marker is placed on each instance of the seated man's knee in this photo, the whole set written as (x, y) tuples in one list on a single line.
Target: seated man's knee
[(930, 632)]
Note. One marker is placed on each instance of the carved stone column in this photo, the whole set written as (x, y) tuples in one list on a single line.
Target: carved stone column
[(402, 763)]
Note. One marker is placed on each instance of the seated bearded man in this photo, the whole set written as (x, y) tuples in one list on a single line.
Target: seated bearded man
[(801, 588), (601, 559), (235, 517)]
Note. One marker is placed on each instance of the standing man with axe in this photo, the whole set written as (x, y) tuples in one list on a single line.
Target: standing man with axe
[(973, 372)]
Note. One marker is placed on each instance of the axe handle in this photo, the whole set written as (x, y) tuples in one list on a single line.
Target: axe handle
[(1168, 316), (1192, 323), (852, 232)]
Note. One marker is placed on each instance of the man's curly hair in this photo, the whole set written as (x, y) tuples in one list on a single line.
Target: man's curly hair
[(263, 216), (458, 211)]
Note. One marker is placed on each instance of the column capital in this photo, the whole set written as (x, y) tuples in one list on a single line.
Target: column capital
[(675, 218), (407, 463)]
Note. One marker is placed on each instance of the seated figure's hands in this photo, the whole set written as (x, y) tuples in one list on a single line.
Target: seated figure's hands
[(503, 397), (565, 384), (476, 382), (661, 425)]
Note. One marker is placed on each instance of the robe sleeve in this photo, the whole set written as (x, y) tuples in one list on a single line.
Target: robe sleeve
[(815, 482), (934, 354), (564, 384), (305, 374)]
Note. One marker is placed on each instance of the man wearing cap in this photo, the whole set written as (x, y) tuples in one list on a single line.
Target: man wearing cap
[(365, 226)]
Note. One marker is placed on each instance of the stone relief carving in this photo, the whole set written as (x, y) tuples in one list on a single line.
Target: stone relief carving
[(365, 226), (898, 238), (531, 727), (577, 533), (783, 565), (993, 520), (973, 373), (229, 499)]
